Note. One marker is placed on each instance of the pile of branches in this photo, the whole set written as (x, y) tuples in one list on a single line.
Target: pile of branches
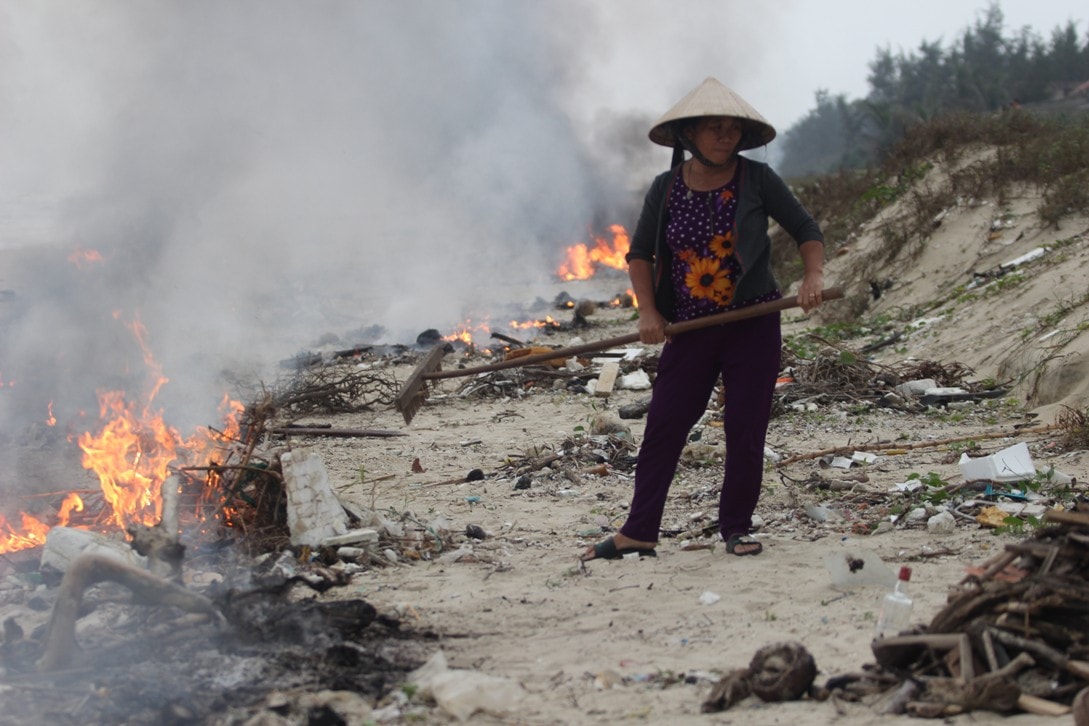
[(838, 373), (335, 388), (1013, 637)]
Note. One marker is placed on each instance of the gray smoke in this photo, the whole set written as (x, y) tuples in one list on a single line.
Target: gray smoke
[(258, 173)]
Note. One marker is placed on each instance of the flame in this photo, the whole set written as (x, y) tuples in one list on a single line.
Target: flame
[(132, 454), (465, 332), (80, 257), (582, 261), (50, 420), (548, 322)]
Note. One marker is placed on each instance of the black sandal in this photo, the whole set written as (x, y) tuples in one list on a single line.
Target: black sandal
[(743, 541), (607, 550)]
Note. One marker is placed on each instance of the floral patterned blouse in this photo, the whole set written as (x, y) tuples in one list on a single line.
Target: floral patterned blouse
[(700, 234)]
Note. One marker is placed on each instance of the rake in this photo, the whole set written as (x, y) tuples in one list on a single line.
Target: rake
[(414, 391)]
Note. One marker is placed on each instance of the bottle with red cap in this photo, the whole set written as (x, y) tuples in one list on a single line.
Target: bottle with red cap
[(895, 615)]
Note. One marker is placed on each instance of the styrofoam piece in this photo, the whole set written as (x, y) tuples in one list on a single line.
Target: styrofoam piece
[(355, 536), (64, 544), (1010, 464), (313, 511), (916, 388)]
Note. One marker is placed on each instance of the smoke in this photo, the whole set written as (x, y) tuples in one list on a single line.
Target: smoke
[(259, 173)]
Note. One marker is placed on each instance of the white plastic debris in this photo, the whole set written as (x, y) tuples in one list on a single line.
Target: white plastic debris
[(1011, 464), (915, 389), (1025, 258), (842, 462), (864, 457), (64, 544), (462, 693), (634, 381), (854, 566), (352, 537), (819, 513), (313, 510), (772, 455), (709, 598), (941, 523)]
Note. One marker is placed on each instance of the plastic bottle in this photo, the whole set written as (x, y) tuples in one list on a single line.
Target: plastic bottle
[(895, 615)]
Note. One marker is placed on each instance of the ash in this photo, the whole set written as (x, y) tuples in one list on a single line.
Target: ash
[(284, 640)]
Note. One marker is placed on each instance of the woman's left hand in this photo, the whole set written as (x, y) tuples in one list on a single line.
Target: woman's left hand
[(809, 292)]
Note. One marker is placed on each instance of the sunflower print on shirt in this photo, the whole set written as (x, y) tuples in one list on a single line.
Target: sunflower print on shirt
[(700, 234)]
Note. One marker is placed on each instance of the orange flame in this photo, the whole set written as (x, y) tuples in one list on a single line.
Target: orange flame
[(80, 257), (132, 455), (465, 331), (582, 261), (548, 322)]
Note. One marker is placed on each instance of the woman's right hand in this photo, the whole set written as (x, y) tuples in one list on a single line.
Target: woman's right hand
[(652, 327)]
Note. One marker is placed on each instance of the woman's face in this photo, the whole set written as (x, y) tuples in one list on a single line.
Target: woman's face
[(716, 137)]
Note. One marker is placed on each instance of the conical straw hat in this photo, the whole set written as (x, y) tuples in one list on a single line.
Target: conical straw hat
[(711, 98)]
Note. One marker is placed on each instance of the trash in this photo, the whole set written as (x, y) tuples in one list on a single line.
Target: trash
[(352, 537), (462, 693), (64, 544), (941, 523), (313, 511), (709, 598), (635, 381), (863, 457), (606, 679), (820, 513), (634, 410), (1011, 464), (855, 567), (915, 389)]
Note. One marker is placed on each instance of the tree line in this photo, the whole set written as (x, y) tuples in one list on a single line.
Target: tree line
[(984, 70)]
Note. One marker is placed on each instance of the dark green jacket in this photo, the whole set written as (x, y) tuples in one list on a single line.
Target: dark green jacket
[(762, 194)]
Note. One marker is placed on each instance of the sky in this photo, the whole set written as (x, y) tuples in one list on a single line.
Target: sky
[(255, 176)]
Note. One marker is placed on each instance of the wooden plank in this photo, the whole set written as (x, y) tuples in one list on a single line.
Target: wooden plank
[(1076, 518), (1041, 706), (607, 378)]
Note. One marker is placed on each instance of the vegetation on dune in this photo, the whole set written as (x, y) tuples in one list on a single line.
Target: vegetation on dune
[(983, 71)]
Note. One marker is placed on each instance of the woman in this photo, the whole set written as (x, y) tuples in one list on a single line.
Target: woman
[(701, 247)]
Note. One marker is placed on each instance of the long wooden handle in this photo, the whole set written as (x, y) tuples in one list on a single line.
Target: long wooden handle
[(753, 311)]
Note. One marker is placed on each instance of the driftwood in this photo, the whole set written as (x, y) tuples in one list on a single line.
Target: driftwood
[(88, 570), (1015, 636), (333, 433), (900, 446)]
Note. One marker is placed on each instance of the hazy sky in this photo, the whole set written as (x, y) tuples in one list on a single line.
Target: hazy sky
[(778, 54), (258, 175)]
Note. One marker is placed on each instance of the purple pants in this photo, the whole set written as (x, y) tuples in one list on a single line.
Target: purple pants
[(746, 354)]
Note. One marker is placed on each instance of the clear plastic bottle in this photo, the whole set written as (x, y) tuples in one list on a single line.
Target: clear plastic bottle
[(895, 616)]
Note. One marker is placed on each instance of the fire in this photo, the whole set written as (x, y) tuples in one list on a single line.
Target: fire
[(132, 454), (465, 331), (582, 261), (80, 257), (548, 322)]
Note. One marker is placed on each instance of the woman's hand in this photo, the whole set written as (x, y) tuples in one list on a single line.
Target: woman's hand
[(651, 327), (809, 292)]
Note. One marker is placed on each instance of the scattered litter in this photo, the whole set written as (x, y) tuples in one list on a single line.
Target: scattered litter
[(634, 381), (819, 513), (709, 598), (1011, 464), (941, 523), (856, 567), (462, 693)]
